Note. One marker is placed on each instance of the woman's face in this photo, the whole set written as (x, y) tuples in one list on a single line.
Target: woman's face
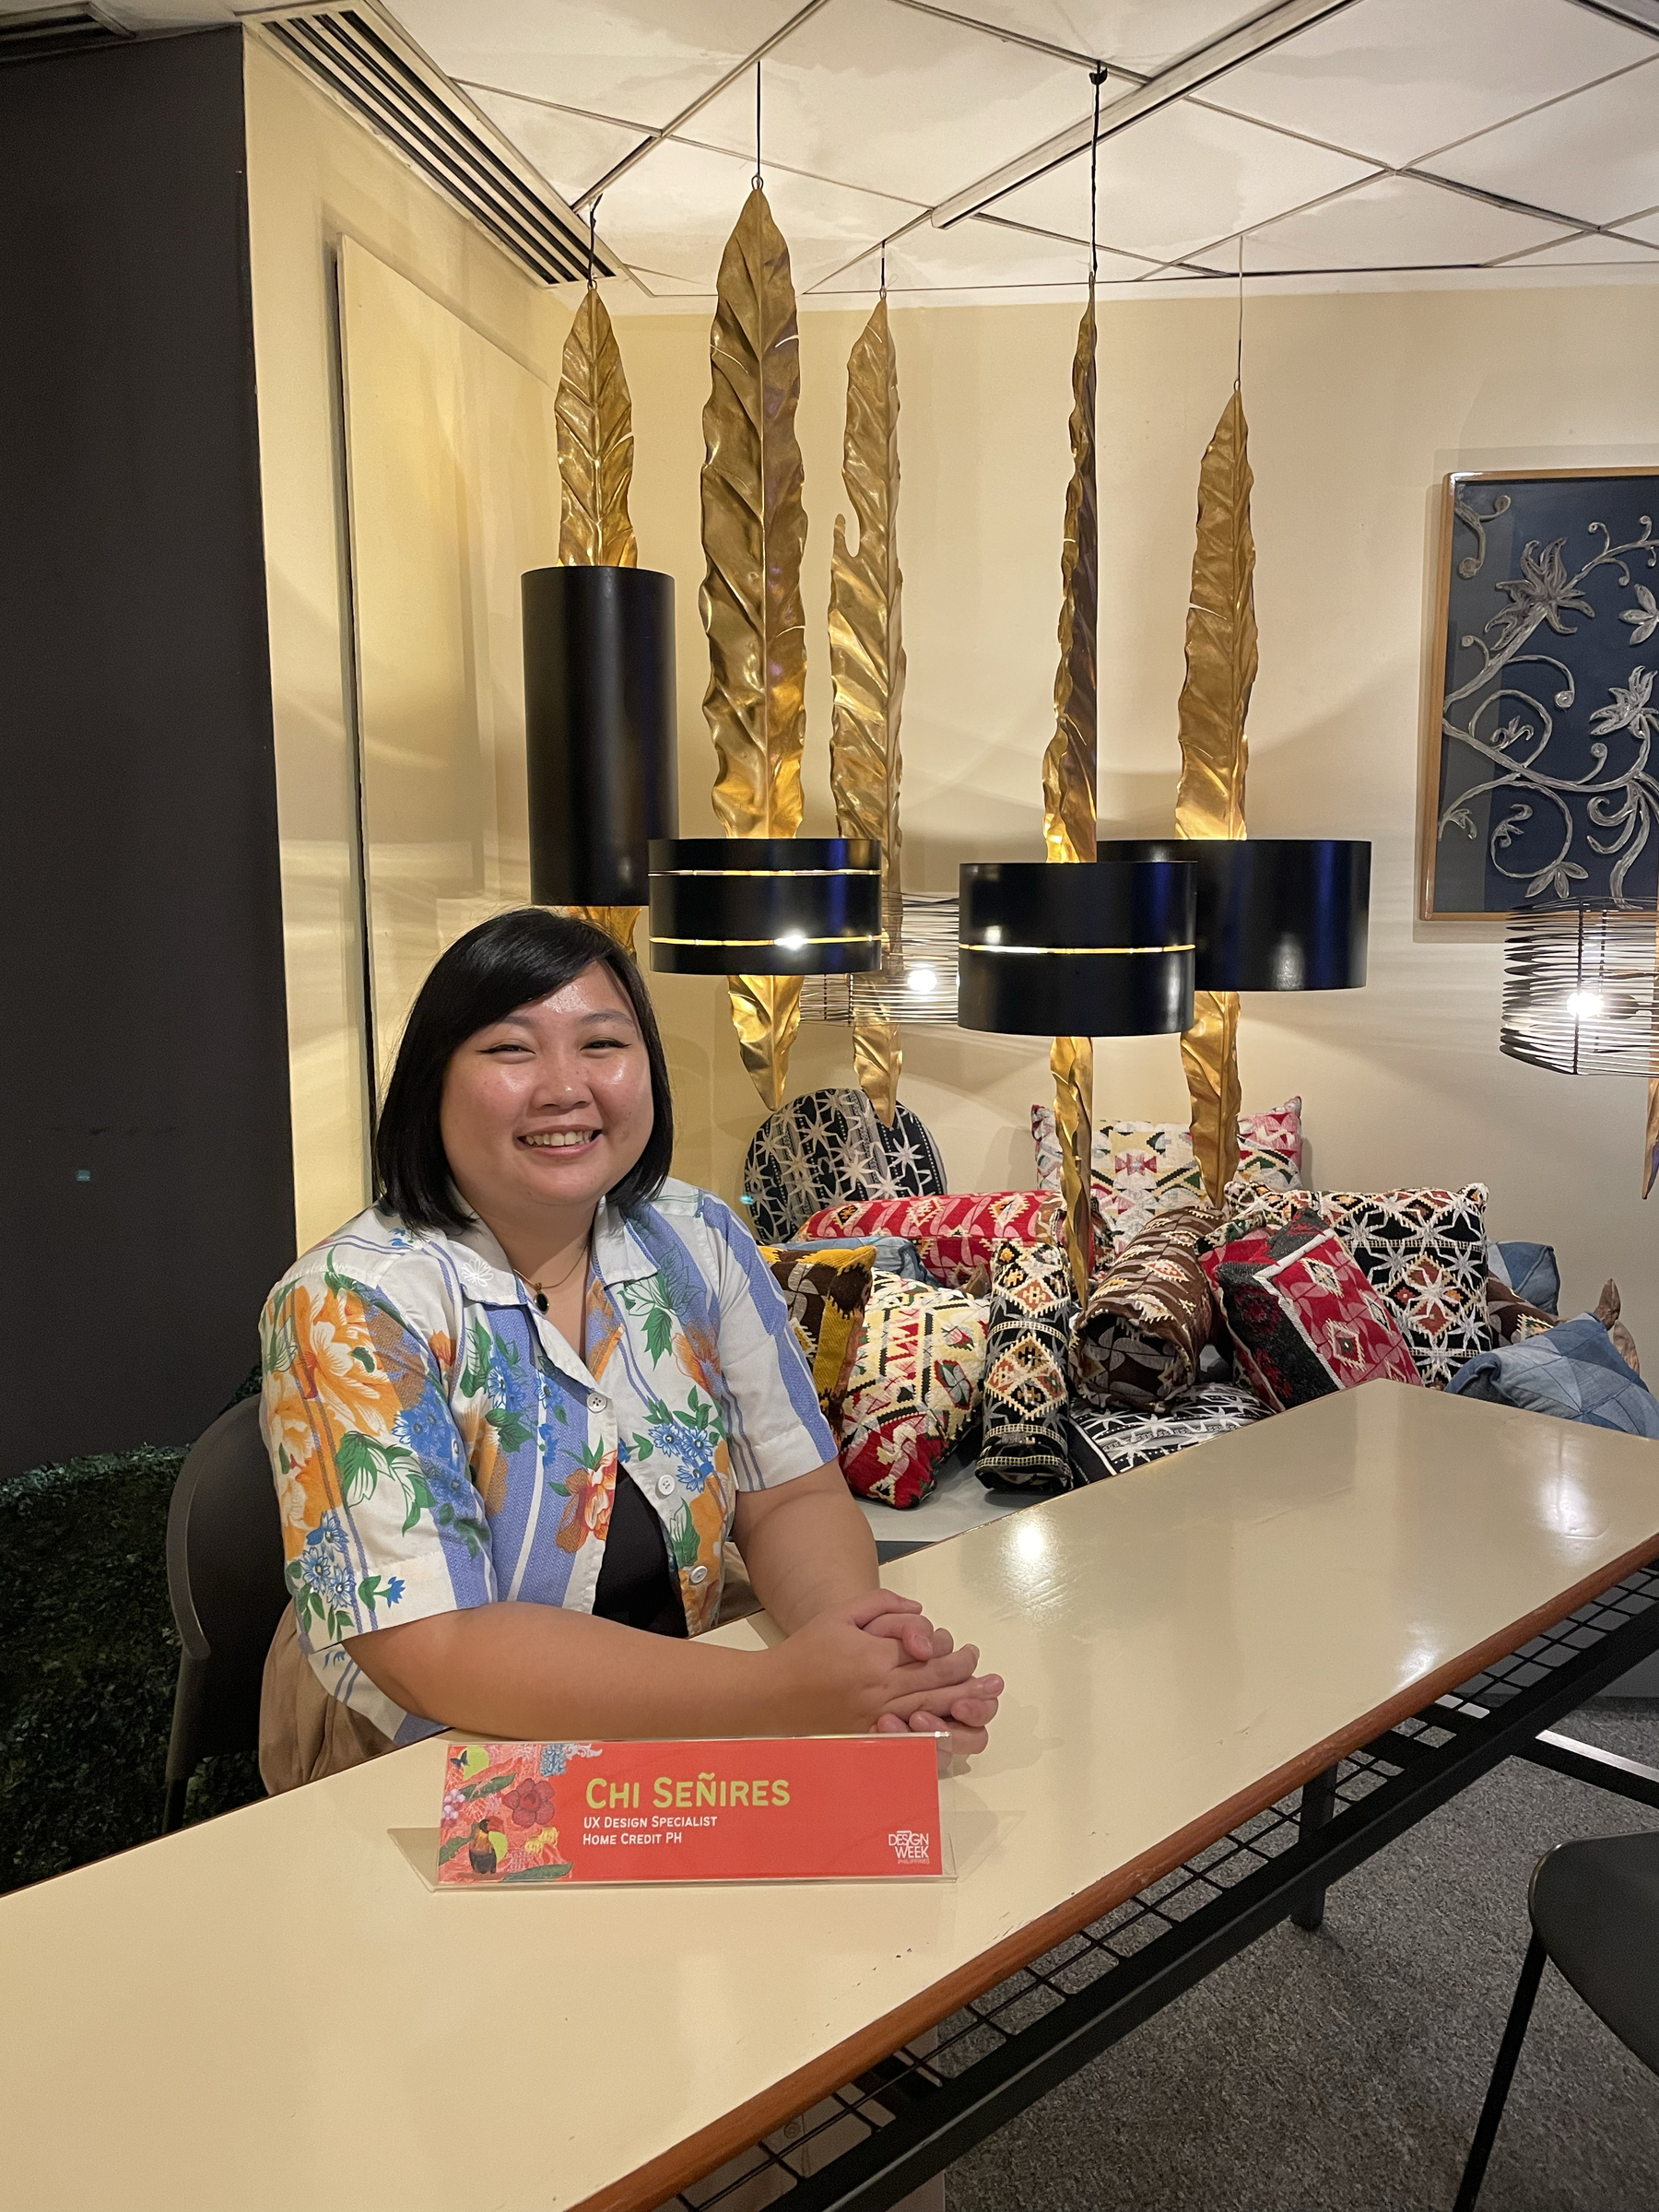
[(548, 1108)]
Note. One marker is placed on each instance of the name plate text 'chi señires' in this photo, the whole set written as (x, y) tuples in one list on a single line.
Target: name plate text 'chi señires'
[(738, 1809)]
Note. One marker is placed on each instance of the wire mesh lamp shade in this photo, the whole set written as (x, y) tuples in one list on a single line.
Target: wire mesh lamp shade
[(599, 730), (1077, 948), (921, 990), (766, 905), (1274, 914), (1579, 991)]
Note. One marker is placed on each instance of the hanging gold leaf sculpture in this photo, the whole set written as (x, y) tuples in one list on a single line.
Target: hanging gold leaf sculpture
[(1215, 700), (595, 445), (866, 668), (754, 530), (595, 418), (1069, 802)]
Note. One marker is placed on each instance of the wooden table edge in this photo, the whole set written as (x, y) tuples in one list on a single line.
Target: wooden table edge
[(663, 2177)]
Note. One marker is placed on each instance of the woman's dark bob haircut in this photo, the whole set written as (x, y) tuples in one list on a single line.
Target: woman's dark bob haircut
[(504, 963)]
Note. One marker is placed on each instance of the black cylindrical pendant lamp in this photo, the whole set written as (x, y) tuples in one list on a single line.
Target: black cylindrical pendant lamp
[(766, 905), (1081, 948), (599, 731), (1274, 914)]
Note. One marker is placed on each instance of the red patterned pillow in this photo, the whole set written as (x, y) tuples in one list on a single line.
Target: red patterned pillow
[(1303, 1316), (957, 1237), (913, 1389)]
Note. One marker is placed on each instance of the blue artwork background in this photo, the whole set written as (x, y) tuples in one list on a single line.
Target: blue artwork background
[(1548, 716)]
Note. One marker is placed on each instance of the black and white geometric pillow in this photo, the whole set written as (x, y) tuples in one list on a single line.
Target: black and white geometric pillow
[(1110, 1443), (1023, 1397), (828, 1147)]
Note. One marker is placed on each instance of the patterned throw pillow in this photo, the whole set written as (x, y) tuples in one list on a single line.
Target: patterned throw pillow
[(913, 1388), (1106, 1443), (1424, 1250), (1514, 1318), (956, 1236), (826, 1294), (1148, 1317), (830, 1145), (893, 1254), (1031, 1312), (1302, 1314), (1142, 1168)]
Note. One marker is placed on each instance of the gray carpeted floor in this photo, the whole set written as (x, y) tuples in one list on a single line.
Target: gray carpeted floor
[(1343, 2072)]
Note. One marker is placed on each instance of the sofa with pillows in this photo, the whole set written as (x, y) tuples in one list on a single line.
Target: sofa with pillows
[(944, 1328)]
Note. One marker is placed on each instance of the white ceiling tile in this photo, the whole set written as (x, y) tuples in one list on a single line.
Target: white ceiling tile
[(1179, 179), (1391, 223), (1142, 36), (980, 255), (572, 151), (1594, 156), (1595, 249), (1396, 79), (893, 101), (676, 208), (644, 60)]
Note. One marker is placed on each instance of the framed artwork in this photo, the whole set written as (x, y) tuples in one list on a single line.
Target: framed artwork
[(1539, 789)]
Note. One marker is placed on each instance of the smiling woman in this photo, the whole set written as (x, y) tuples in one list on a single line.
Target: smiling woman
[(518, 1410)]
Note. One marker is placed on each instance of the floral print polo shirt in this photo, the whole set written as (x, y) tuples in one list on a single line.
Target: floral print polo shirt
[(437, 1443)]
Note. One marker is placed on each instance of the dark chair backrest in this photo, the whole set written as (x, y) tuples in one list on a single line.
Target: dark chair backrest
[(225, 1577)]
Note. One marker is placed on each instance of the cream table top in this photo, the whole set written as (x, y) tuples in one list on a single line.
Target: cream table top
[(271, 2010)]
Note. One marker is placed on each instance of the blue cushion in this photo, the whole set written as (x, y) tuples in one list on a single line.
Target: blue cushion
[(1530, 1271), (1571, 1370)]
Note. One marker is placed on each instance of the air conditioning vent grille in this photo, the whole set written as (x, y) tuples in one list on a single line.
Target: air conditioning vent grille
[(362, 66), (51, 31)]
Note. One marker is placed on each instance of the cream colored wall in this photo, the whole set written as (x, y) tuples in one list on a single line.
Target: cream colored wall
[(1359, 404), (315, 177)]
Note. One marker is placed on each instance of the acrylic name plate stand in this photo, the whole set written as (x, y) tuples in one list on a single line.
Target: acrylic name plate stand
[(725, 1809)]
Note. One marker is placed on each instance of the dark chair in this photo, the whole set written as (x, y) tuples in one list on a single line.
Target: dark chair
[(1594, 1911), (225, 1578)]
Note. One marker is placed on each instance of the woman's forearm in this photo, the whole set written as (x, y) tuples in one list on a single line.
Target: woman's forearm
[(528, 1672), (806, 1547)]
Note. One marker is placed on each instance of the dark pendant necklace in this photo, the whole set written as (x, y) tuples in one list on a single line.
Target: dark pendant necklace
[(541, 1292)]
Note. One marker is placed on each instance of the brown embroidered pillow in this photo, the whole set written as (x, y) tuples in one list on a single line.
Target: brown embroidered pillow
[(826, 1293), (1148, 1316)]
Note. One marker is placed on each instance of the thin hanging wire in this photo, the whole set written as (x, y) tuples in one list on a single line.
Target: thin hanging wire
[(593, 224), (1097, 78), (758, 186), (884, 268), (1238, 367)]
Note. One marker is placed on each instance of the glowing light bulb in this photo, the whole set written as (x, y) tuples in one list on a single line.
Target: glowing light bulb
[(792, 940), (922, 981), (1584, 1006)]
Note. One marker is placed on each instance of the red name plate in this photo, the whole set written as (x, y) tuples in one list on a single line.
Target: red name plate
[(738, 1809)]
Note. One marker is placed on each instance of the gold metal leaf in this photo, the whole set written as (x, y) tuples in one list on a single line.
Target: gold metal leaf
[(866, 668), (1069, 807), (1209, 1056), (1220, 639), (766, 1013), (1071, 1062), (754, 531), (1650, 1155), (1068, 766), (1215, 754), (595, 446), (617, 922)]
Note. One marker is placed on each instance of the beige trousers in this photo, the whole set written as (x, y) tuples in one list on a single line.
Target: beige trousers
[(305, 1735)]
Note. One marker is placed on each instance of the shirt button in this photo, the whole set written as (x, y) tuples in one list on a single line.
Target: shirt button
[(700, 1575), (665, 1485)]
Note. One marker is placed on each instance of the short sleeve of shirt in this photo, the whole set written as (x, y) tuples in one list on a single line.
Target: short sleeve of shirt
[(381, 1521), (775, 1429)]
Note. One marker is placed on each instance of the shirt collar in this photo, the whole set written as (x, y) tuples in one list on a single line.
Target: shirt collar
[(488, 1274)]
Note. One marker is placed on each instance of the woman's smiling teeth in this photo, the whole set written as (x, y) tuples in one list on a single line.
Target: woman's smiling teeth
[(561, 1140)]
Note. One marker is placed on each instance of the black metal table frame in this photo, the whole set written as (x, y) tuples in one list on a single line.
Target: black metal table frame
[(919, 2111)]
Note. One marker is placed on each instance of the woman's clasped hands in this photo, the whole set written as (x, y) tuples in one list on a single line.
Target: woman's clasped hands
[(875, 1664)]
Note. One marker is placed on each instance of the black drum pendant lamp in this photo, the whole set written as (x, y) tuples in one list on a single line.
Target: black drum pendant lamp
[(766, 906), (1274, 914), (1078, 948), (599, 731)]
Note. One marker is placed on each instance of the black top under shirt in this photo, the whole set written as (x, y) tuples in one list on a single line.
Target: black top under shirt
[(636, 1585)]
